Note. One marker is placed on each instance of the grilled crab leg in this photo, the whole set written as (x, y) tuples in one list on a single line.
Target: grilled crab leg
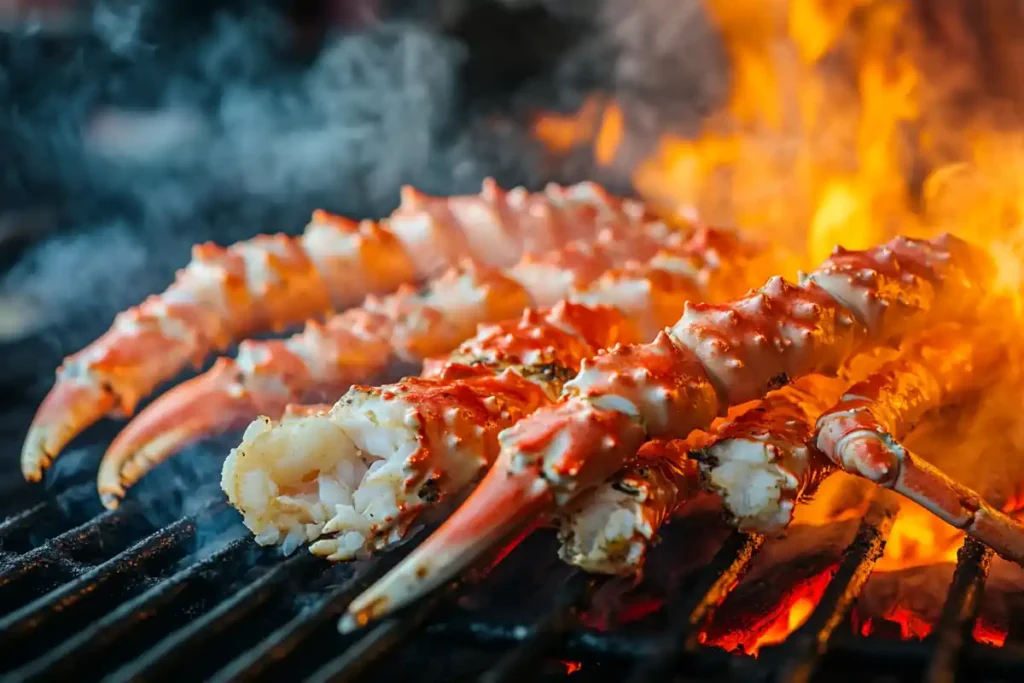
[(861, 434), (360, 473), (758, 461), (359, 344), (271, 282), (715, 356)]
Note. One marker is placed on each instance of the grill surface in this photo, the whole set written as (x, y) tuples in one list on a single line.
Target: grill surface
[(121, 595)]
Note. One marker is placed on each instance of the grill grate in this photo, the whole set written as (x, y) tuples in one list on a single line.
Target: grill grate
[(121, 597)]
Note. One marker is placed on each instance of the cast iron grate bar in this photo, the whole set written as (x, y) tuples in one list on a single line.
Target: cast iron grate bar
[(382, 639), (328, 608), (21, 533), (960, 611), (394, 630), (217, 621), (549, 632), (283, 641), (36, 627), (57, 558), (698, 604), (119, 628), (805, 647)]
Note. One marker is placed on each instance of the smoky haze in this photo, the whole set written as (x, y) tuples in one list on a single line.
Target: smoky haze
[(142, 128), (149, 132)]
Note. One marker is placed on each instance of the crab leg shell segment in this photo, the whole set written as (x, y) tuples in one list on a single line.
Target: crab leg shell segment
[(410, 325), (862, 432), (772, 335), (271, 282)]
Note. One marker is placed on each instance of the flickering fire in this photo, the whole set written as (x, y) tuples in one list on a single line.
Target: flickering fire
[(806, 154), (832, 135)]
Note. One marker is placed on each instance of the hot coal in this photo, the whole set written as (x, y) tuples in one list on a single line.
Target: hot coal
[(912, 598)]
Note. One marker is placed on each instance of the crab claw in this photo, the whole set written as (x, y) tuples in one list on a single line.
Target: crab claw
[(71, 405), (209, 404), (889, 464), (502, 505)]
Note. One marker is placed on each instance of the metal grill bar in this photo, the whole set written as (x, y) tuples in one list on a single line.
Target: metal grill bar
[(582, 643), (20, 533), (218, 620), (121, 587), (285, 639), (119, 629), (960, 611), (382, 639), (715, 582), (805, 646), (64, 557), (549, 632), (46, 621), (328, 608)]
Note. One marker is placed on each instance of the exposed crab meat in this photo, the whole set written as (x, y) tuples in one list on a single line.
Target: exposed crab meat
[(402, 435), (271, 282), (762, 462), (608, 530), (360, 344), (715, 356)]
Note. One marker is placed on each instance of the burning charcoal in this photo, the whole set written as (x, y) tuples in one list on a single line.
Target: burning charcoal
[(913, 598)]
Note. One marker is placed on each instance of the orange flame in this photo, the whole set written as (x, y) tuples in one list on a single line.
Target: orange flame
[(805, 153), (787, 623), (832, 135)]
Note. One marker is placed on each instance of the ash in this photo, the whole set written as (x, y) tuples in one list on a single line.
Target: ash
[(134, 129)]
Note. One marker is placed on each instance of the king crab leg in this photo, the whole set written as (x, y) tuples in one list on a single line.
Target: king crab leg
[(272, 282), (861, 434), (715, 356), (359, 344), (352, 479)]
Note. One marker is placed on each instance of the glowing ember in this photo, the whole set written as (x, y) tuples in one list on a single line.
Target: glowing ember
[(912, 626), (791, 621), (781, 621), (571, 667), (988, 634)]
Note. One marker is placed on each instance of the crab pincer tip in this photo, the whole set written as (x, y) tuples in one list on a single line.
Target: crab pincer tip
[(208, 404), (69, 407), (503, 504)]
